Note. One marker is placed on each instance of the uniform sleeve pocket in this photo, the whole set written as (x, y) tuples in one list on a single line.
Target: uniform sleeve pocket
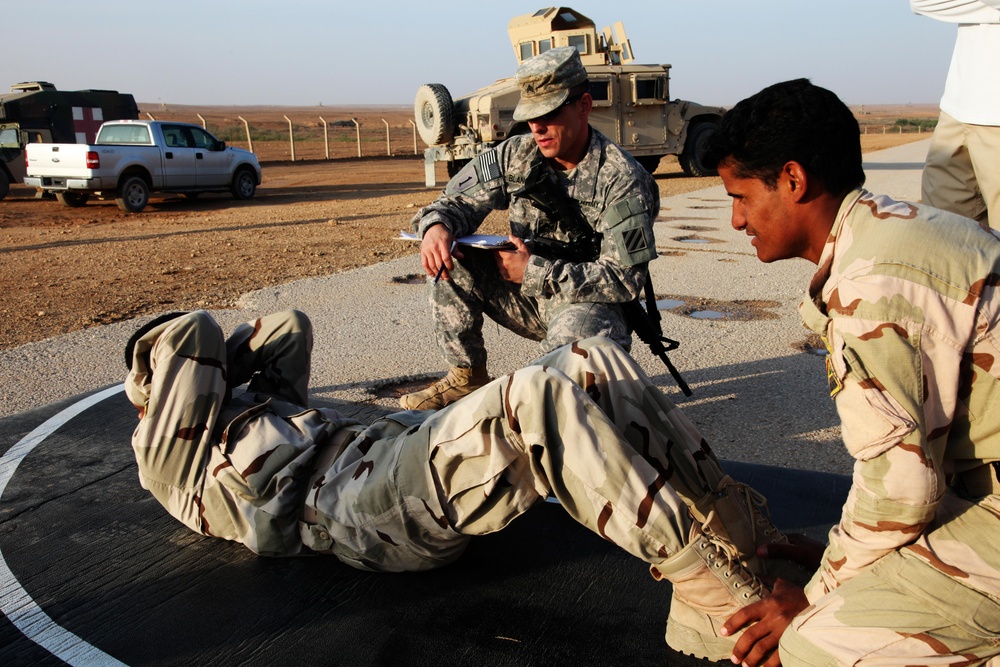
[(872, 420)]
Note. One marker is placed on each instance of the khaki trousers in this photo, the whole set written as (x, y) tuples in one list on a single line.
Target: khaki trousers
[(962, 174)]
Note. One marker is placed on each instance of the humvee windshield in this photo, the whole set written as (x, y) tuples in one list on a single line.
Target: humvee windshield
[(10, 137)]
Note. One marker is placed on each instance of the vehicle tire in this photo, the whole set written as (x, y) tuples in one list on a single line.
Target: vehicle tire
[(244, 184), (456, 166), (4, 184), (133, 194), (72, 199), (434, 112), (694, 148), (649, 162)]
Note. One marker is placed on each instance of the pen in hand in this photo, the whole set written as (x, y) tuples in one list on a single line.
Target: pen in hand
[(441, 270)]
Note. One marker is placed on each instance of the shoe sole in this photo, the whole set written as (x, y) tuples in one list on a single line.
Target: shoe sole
[(691, 642)]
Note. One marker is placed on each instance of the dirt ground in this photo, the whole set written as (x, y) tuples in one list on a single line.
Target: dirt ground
[(64, 269)]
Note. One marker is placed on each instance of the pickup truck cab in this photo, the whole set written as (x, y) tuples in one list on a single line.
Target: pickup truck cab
[(133, 158)]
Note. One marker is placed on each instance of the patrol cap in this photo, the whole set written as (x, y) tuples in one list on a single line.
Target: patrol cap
[(546, 81)]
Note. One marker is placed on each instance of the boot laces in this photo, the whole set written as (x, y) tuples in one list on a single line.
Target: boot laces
[(757, 504), (723, 555)]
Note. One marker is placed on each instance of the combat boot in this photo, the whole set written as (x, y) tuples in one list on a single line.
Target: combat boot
[(457, 383), (740, 514), (710, 584)]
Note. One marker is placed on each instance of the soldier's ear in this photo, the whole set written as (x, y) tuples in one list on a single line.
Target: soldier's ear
[(794, 179)]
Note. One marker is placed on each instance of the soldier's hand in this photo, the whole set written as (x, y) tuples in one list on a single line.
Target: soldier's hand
[(436, 251), (764, 623), (513, 262)]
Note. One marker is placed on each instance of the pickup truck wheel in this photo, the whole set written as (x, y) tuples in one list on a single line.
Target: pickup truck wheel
[(694, 149), (72, 199), (133, 194), (434, 111), (4, 184), (244, 185)]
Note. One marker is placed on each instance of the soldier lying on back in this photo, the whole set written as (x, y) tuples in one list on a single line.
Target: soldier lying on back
[(584, 425)]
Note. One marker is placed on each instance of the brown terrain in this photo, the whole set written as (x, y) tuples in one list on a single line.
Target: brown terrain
[(64, 269)]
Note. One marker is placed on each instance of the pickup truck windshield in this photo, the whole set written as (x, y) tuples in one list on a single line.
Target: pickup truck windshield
[(124, 134)]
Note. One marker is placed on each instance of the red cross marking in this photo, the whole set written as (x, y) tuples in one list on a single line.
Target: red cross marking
[(86, 121)]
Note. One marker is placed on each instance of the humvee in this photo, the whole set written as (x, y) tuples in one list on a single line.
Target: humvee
[(632, 104), (35, 112)]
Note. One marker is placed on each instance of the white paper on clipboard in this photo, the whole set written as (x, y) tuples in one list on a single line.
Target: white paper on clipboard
[(484, 241)]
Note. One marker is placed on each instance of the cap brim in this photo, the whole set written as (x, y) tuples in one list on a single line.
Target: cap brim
[(530, 108)]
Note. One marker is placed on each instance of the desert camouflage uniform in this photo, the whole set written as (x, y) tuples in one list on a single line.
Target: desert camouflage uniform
[(407, 492), (559, 301), (906, 299)]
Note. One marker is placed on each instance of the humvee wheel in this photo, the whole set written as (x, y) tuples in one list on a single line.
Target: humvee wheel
[(433, 110), (694, 149)]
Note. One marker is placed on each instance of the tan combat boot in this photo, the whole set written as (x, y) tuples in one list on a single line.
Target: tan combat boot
[(739, 514), (711, 583), (457, 383)]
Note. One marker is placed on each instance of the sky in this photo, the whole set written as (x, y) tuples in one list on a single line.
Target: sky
[(334, 52)]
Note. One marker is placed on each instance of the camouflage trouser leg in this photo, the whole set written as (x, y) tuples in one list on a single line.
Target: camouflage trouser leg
[(586, 426), (458, 305), (184, 389), (906, 610), (185, 386), (476, 288), (901, 612), (273, 355)]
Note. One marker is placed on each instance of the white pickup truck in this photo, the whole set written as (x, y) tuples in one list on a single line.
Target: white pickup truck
[(132, 158)]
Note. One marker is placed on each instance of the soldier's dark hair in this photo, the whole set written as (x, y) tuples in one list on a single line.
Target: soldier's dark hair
[(790, 121)]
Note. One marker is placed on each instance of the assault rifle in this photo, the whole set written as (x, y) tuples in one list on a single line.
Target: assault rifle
[(645, 322), (584, 245)]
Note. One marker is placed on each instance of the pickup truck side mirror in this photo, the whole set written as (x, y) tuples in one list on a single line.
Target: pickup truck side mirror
[(220, 145)]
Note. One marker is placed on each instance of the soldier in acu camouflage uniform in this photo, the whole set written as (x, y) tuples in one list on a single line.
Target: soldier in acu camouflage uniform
[(906, 299), (568, 282), (584, 425)]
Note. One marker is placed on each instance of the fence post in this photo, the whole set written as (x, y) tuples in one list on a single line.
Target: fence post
[(388, 147), (414, 136), (357, 127), (246, 126), (291, 137), (203, 125), (150, 116), (326, 137)]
